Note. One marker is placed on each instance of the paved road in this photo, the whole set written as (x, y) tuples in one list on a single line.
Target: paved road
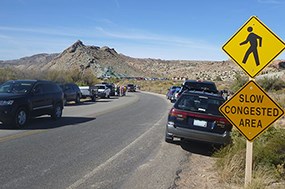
[(113, 143)]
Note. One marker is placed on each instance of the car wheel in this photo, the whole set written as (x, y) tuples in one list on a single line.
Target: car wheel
[(57, 112), (77, 99), (168, 138), (21, 118), (93, 98)]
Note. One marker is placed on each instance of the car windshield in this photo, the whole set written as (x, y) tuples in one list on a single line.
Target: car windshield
[(197, 103), (201, 86), (20, 87)]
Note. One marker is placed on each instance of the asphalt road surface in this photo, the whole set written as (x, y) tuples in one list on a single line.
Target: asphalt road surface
[(113, 143)]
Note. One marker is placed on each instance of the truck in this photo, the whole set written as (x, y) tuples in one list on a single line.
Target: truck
[(103, 91), (89, 92)]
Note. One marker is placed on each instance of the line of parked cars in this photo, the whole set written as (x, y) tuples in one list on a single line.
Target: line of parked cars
[(21, 100), (195, 114)]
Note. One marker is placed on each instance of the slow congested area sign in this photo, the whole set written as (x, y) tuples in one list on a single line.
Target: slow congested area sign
[(251, 110), (253, 46)]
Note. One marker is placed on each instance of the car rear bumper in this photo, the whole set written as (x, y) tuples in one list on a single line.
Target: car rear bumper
[(202, 136)]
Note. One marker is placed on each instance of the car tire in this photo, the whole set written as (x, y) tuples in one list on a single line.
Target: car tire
[(56, 112), (93, 98), (168, 138), (21, 118), (77, 99)]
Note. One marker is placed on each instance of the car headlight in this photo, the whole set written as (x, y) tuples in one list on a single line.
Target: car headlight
[(6, 102)]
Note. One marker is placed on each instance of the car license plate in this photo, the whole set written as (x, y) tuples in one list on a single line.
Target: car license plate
[(200, 123)]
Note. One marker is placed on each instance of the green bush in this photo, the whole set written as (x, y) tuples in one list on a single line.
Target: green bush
[(269, 150), (268, 158), (238, 82), (7, 74), (75, 76), (271, 83)]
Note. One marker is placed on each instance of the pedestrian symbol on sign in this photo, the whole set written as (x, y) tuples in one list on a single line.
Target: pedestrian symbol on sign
[(254, 46), (252, 38)]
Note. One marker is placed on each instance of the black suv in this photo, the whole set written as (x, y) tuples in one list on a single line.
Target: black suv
[(71, 92), (22, 99), (196, 116)]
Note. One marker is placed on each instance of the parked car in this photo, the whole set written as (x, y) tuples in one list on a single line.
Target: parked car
[(173, 97), (196, 116), (171, 91), (88, 92), (103, 91), (23, 99), (198, 85), (131, 88), (71, 92)]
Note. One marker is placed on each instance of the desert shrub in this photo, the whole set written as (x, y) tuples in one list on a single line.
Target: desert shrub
[(155, 86), (7, 74), (75, 75), (262, 177), (270, 150), (271, 83), (239, 81), (56, 76), (218, 78), (88, 78), (231, 160), (279, 97), (268, 159)]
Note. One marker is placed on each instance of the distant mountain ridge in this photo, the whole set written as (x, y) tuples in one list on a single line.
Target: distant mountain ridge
[(102, 60)]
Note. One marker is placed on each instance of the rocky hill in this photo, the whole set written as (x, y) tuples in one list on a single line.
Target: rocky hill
[(105, 60)]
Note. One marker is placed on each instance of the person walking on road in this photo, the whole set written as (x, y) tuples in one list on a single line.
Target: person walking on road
[(252, 38)]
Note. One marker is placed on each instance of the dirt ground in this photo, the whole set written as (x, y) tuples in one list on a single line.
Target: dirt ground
[(202, 176), (198, 172)]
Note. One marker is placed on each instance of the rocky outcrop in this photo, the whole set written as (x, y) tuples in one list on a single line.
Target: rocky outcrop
[(99, 59)]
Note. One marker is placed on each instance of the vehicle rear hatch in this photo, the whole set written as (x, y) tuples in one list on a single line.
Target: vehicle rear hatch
[(199, 113)]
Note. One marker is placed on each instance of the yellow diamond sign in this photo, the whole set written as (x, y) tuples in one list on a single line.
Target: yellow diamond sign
[(251, 110), (253, 46)]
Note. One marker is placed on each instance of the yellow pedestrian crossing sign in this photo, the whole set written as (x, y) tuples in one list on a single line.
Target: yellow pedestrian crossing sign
[(254, 46)]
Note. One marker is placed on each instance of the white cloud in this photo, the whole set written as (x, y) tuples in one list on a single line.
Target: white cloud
[(131, 42)]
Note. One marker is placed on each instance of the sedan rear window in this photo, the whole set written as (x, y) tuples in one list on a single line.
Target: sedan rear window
[(203, 104)]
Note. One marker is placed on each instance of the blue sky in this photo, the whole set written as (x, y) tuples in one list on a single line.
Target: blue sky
[(165, 29)]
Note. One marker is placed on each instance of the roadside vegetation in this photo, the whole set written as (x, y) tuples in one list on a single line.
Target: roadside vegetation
[(268, 160), (74, 76), (268, 148)]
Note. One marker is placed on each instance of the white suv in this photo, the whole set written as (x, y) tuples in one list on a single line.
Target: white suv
[(103, 91)]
